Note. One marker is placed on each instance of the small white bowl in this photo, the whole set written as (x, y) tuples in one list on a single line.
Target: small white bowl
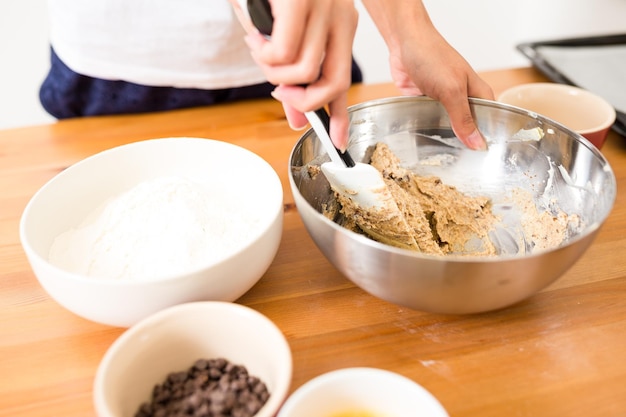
[(361, 392), (75, 193), (578, 109), (173, 339)]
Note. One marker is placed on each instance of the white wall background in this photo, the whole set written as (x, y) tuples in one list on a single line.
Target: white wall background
[(485, 32), (23, 61)]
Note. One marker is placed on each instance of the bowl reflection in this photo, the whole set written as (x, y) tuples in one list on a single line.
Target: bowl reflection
[(526, 151)]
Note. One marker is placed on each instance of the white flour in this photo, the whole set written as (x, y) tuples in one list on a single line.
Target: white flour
[(160, 227)]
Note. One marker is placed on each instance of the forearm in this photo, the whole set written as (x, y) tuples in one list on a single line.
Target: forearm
[(423, 62), (400, 20)]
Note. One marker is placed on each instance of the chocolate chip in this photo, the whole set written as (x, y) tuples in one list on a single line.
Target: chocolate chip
[(209, 388)]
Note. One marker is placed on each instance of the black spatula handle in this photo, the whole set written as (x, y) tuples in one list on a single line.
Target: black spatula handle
[(260, 13)]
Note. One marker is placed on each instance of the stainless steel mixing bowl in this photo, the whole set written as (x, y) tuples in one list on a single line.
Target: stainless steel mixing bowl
[(559, 167)]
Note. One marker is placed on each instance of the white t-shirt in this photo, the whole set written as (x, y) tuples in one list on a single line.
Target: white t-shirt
[(176, 43)]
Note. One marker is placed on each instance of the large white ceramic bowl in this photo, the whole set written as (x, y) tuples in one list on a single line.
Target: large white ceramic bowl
[(362, 392), (75, 193), (173, 339)]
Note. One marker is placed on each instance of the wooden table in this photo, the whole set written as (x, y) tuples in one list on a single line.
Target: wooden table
[(560, 353)]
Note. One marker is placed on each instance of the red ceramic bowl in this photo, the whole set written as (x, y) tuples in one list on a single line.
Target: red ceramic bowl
[(577, 109)]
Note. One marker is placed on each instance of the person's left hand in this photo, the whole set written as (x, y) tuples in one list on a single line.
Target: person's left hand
[(437, 70)]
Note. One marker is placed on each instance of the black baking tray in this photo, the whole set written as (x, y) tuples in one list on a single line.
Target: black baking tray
[(596, 63)]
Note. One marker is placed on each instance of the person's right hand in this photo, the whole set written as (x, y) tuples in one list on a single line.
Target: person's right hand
[(309, 58)]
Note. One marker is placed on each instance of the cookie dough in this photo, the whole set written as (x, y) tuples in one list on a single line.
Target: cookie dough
[(542, 230), (436, 218)]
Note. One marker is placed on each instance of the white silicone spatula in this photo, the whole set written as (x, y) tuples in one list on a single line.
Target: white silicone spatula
[(357, 183)]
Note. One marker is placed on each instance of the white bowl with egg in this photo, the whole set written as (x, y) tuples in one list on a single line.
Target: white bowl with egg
[(361, 392), (144, 226)]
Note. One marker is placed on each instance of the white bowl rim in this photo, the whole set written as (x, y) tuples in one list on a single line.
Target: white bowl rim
[(360, 372), (132, 283), (611, 114)]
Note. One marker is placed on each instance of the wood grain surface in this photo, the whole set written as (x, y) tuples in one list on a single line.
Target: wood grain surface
[(559, 353)]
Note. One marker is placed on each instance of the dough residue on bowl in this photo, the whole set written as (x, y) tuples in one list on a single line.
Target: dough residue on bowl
[(443, 220), (543, 229)]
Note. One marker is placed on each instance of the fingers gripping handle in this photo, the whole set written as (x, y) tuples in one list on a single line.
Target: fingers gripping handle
[(260, 13)]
